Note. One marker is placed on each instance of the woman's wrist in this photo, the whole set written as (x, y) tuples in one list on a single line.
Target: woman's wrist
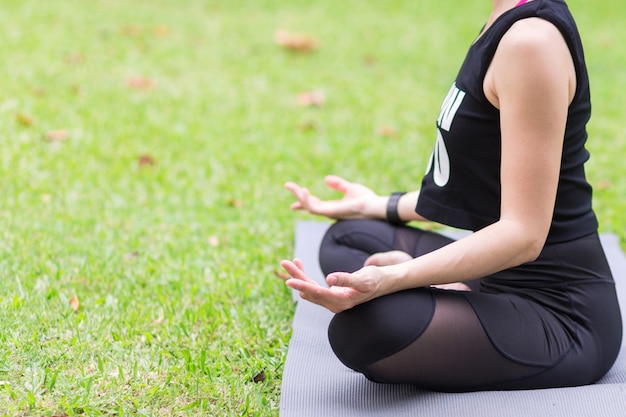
[(392, 278), (375, 208), (391, 211)]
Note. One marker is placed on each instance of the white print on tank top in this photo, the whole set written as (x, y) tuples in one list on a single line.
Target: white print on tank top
[(439, 158)]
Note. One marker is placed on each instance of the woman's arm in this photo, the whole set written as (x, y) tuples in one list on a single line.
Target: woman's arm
[(531, 80), (358, 202)]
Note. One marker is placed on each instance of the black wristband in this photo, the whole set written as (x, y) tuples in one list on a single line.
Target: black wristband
[(392, 209)]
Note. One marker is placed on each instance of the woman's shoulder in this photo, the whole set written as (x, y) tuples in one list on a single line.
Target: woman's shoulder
[(533, 33), (533, 45), (532, 53)]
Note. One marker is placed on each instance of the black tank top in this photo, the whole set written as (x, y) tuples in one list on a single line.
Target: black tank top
[(461, 187)]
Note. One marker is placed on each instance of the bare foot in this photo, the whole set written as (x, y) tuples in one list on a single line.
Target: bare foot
[(393, 257)]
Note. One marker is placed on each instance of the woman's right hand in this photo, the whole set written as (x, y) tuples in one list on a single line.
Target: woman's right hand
[(358, 201), (345, 290)]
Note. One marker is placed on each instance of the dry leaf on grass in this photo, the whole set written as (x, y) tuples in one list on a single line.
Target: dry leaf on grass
[(387, 131), (603, 184), (146, 160), (161, 31), (140, 83), (74, 303), (234, 203), (76, 89), (160, 317), (369, 61), (57, 135), (260, 377), (39, 91), (74, 58), (132, 31), (311, 98), (308, 126), (24, 119), (295, 41)]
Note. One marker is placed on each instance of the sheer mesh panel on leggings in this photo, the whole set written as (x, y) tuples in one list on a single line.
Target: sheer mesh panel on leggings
[(417, 242), (452, 354), (348, 243)]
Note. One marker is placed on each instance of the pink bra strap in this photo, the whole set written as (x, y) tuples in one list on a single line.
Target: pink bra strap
[(521, 2)]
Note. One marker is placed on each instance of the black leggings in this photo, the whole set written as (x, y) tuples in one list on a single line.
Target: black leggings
[(551, 323)]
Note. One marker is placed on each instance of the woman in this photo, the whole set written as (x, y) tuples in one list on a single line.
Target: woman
[(508, 165)]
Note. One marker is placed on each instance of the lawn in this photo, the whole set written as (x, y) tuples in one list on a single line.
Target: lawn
[(144, 149)]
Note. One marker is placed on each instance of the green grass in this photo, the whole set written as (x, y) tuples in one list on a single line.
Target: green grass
[(174, 261)]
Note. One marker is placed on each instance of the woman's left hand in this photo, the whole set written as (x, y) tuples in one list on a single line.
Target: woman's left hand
[(346, 289)]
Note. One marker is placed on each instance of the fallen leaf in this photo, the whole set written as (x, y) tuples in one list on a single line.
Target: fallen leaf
[(260, 377), (75, 89), (132, 31), (146, 160), (131, 255), (74, 303), (39, 91), (603, 184), (74, 59), (387, 131), (161, 31), (24, 119), (295, 41), (234, 203), (57, 135), (139, 83), (214, 241), (308, 126), (369, 61), (311, 98), (160, 318)]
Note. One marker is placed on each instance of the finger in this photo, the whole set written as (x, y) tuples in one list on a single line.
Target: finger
[(294, 188), (298, 191), (296, 270), (290, 185), (312, 291), (337, 183), (301, 194), (319, 295), (291, 268), (306, 288), (299, 263), (340, 279)]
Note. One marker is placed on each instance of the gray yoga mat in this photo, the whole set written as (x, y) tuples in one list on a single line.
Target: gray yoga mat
[(316, 384)]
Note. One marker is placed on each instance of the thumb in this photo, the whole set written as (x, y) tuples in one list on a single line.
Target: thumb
[(340, 279)]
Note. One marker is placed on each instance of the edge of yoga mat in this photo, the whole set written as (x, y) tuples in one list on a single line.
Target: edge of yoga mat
[(315, 383)]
